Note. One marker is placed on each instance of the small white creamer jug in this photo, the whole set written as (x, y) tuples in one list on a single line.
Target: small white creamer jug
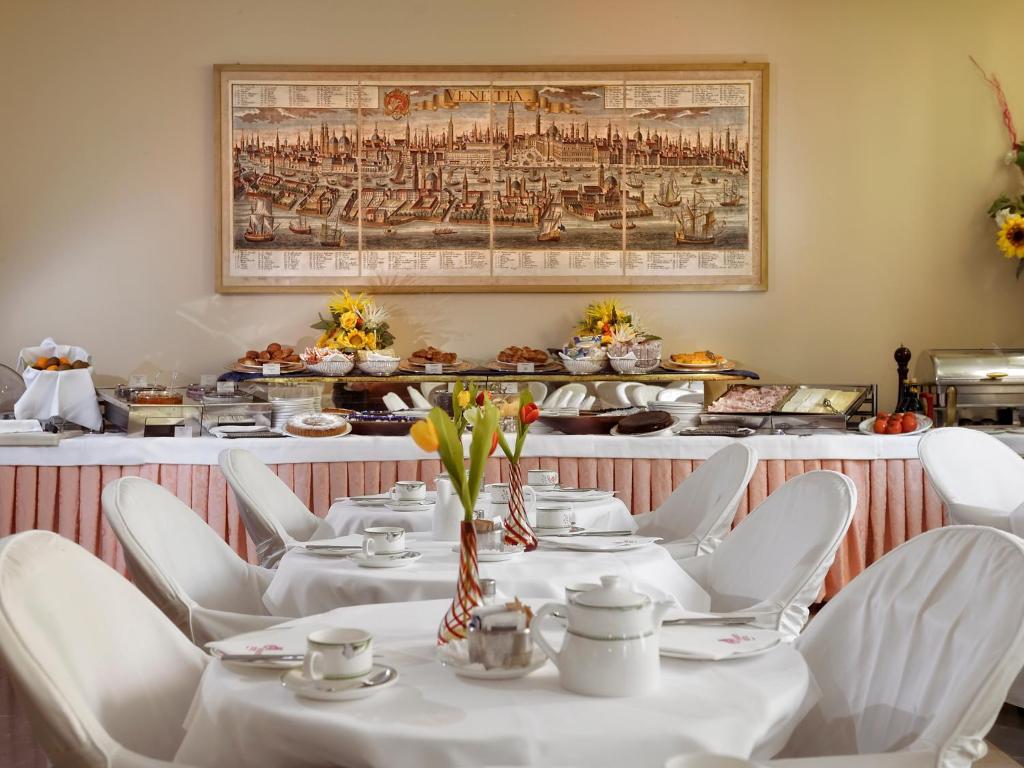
[(447, 510)]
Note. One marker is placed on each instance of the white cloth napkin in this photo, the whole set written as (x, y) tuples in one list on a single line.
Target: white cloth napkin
[(70, 395), (598, 543), (351, 540), (10, 426), (715, 643)]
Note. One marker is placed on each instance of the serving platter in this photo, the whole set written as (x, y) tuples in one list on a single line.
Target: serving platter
[(412, 365), (867, 426), (671, 365), (549, 367)]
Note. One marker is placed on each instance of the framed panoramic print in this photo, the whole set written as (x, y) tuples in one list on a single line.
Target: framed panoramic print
[(418, 179)]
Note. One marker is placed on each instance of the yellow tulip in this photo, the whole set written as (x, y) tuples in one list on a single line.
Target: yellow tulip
[(464, 398), (425, 436)]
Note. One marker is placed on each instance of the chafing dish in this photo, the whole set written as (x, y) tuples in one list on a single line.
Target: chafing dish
[(804, 408), (977, 386), (139, 419), (236, 409)]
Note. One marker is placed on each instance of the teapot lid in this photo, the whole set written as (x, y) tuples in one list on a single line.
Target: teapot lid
[(614, 592)]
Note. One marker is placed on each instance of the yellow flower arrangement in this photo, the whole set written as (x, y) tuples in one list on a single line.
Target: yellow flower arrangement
[(355, 322), (1011, 237)]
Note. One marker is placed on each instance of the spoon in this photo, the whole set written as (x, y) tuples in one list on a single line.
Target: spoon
[(385, 674)]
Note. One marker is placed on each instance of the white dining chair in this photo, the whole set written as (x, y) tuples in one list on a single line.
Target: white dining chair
[(106, 679), (697, 515), (272, 514), (979, 478), (773, 564), (179, 563), (913, 658)]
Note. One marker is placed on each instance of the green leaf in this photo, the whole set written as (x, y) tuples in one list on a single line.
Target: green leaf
[(479, 448), (1020, 267), (1000, 202)]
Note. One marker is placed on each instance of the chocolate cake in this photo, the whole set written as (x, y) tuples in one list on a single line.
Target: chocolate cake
[(644, 422)]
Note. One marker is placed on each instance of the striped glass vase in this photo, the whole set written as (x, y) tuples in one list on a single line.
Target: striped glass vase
[(517, 527), (455, 624)]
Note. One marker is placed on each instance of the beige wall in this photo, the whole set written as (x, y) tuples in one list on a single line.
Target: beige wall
[(885, 150)]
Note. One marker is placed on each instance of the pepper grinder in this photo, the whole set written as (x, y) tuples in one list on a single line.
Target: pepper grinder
[(902, 357)]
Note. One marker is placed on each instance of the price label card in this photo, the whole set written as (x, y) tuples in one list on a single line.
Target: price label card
[(138, 380), (183, 430), (524, 367), (225, 387), (434, 368), (271, 369), (208, 380)]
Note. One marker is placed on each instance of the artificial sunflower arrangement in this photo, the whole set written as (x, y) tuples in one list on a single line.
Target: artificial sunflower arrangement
[(355, 323), (1008, 210)]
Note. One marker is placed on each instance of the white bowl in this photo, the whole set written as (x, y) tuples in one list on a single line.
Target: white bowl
[(582, 366), (623, 364), (379, 367), (333, 368)]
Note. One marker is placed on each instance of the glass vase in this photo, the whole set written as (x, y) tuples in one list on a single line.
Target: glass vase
[(455, 624), (517, 527)]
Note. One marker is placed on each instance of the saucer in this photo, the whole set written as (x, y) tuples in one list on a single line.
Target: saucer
[(492, 555), (389, 560), (455, 656), (557, 531), (407, 506), (336, 690)]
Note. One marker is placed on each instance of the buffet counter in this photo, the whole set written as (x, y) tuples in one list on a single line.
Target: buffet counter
[(58, 488)]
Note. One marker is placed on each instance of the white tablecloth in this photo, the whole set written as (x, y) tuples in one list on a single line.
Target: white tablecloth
[(306, 584), (348, 517), (119, 450), (433, 719)]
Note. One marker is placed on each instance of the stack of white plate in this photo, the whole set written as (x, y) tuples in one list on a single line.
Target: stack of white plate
[(285, 408), (687, 413)]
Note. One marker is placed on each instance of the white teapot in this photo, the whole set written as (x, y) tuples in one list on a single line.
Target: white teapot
[(611, 644)]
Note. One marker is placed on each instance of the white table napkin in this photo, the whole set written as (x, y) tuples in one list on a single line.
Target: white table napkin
[(715, 643), (597, 543), (351, 540), (9, 426)]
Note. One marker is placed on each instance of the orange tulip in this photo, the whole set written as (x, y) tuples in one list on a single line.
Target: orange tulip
[(424, 435), (529, 413)]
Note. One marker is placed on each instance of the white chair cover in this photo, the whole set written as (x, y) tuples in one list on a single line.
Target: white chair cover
[(774, 563), (107, 680), (979, 478), (889, 760), (271, 513), (695, 518), (917, 653), (177, 560)]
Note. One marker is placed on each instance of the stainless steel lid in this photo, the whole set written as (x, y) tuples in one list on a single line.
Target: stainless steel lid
[(978, 366)]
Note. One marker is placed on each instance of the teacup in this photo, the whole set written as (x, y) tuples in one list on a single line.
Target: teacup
[(572, 591), (408, 490), (384, 540), (338, 654), (542, 478), (555, 516), (500, 493)]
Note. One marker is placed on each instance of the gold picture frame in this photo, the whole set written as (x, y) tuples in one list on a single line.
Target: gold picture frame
[(491, 179)]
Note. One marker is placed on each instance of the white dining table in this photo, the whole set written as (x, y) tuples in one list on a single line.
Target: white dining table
[(305, 584), (348, 516), (432, 719)]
